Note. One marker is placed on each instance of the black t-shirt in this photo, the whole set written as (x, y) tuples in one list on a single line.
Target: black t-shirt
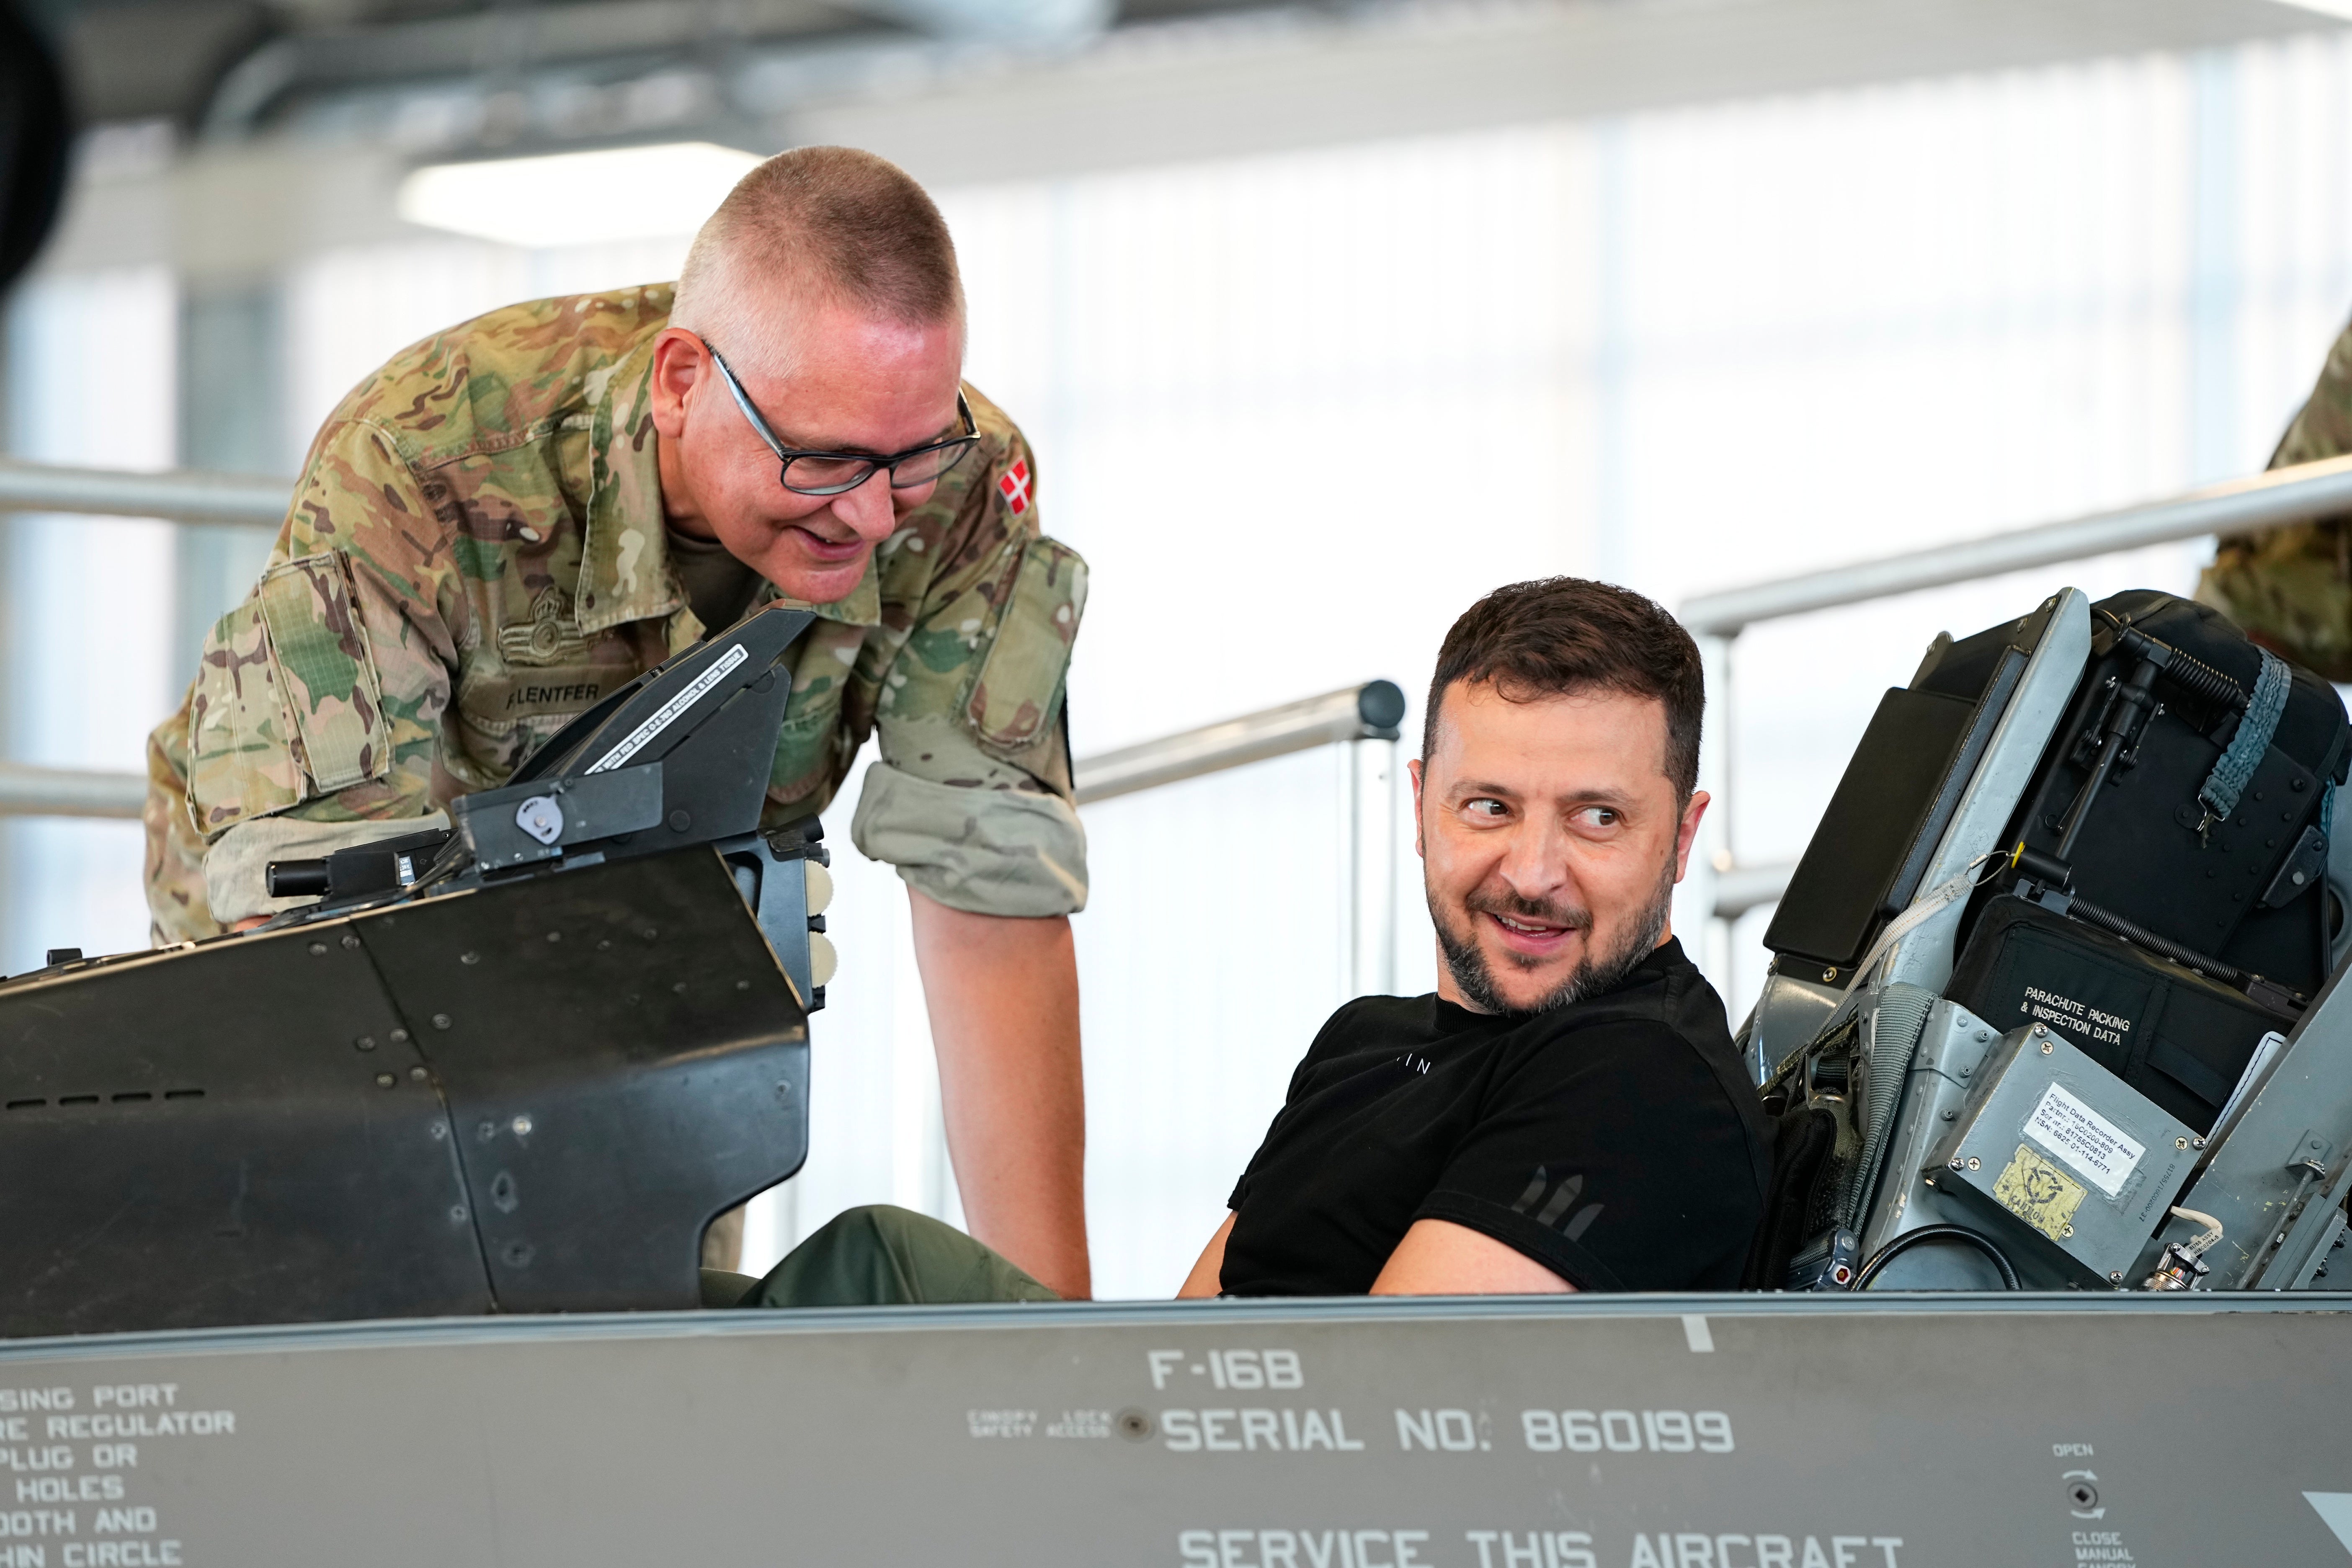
[(1614, 1141)]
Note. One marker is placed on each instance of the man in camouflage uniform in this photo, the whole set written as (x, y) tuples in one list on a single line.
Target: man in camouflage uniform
[(2290, 588), (514, 518)]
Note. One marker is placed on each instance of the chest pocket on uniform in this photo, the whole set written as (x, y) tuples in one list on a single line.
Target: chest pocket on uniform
[(505, 713), (1018, 691), (542, 674), (495, 700)]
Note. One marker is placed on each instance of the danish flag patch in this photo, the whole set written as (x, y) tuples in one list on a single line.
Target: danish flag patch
[(1015, 487)]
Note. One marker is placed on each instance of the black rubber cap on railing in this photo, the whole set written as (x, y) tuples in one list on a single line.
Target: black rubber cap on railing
[(296, 878), (1380, 704)]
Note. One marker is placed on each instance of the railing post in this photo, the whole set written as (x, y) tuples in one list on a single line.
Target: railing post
[(1372, 785), (1709, 939)]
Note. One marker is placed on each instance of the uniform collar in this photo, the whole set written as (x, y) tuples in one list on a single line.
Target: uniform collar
[(862, 606), (625, 556)]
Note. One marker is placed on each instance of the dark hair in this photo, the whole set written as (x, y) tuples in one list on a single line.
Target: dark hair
[(1561, 635)]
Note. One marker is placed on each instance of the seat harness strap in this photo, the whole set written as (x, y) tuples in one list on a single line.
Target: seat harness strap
[(2218, 793)]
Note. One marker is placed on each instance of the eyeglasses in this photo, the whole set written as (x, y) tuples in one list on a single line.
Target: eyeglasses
[(836, 473)]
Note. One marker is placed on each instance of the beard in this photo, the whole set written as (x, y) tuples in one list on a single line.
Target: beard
[(1596, 973)]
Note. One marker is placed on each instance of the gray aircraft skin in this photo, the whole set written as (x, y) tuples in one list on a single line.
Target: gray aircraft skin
[(534, 1384), (1734, 1431)]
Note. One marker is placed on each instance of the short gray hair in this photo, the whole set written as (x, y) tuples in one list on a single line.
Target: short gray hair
[(834, 224)]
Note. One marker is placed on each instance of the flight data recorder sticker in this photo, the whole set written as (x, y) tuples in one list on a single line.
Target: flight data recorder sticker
[(2085, 1141)]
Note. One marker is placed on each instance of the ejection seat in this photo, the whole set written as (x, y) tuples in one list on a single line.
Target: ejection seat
[(2074, 892)]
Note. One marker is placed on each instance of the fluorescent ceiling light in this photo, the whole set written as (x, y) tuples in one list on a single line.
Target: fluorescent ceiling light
[(577, 198)]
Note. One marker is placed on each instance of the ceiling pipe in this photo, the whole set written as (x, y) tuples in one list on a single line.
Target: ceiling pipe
[(526, 49), (1046, 23)]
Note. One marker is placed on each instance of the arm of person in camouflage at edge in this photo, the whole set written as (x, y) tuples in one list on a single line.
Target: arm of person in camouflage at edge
[(2323, 426), (973, 800), (318, 702), (2290, 588)]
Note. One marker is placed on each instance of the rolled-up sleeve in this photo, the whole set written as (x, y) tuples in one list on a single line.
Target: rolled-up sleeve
[(973, 800), (1002, 851)]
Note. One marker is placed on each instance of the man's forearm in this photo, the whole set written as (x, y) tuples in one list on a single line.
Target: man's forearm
[(1003, 994)]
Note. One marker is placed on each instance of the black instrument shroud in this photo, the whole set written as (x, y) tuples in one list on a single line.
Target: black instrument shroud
[(525, 1080)]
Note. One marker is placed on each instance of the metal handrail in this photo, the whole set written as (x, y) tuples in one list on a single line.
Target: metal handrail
[(1364, 712), (177, 495), (186, 495), (2280, 496), (28, 791), (1740, 889), (2298, 494), (1370, 711), (2264, 500), (2303, 494)]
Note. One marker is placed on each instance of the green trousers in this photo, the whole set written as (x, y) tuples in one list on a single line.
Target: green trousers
[(879, 1256)]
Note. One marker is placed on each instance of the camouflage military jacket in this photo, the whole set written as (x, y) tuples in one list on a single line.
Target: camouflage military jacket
[(2291, 588), (475, 551)]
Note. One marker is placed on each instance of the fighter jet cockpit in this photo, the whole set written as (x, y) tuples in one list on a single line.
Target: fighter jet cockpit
[(2052, 978), (2053, 1025), (2049, 1009)]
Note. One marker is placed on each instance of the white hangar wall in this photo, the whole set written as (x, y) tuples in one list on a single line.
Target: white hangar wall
[(1298, 411)]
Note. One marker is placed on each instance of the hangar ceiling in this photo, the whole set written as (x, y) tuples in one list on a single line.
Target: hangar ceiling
[(134, 60), (302, 115), (572, 70)]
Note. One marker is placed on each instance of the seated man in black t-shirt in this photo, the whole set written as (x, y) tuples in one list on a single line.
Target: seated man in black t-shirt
[(1567, 1113)]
